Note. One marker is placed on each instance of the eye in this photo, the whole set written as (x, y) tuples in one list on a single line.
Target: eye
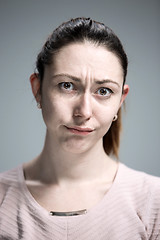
[(106, 92), (66, 86)]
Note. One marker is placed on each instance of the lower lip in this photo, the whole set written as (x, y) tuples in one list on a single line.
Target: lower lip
[(77, 132)]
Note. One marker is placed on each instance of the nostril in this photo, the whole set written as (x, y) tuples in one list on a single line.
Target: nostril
[(77, 114)]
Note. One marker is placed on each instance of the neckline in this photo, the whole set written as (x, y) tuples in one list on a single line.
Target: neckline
[(39, 210)]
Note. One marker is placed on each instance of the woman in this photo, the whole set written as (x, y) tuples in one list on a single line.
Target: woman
[(73, 189)]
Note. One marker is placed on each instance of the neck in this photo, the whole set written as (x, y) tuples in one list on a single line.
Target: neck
[(55, 165)]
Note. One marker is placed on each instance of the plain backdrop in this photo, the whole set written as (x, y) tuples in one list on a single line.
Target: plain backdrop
[(25, 25)]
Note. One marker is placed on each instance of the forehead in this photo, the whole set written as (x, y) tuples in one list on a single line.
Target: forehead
[(86, 59)]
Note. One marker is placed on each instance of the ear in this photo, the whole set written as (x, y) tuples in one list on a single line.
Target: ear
[(35, 85), (124, 94)]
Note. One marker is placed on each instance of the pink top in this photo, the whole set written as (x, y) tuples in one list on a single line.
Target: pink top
[(129, 211)]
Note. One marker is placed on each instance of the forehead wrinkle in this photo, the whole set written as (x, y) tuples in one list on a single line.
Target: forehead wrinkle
[(87, 75), (74, 78)]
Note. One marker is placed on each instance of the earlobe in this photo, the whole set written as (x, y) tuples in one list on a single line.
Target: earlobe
[(35, 85), (124, 94)]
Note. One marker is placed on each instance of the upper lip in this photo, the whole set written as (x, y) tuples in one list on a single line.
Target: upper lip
[(81, 129)]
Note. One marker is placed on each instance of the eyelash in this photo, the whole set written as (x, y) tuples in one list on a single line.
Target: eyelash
[(62, 87), (106, 90)]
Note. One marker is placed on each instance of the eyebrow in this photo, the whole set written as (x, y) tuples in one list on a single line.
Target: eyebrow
[(76, 79), (68, 76), (107, 81)]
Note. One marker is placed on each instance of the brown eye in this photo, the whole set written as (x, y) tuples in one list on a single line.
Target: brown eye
[(104, 92), (66, 86)]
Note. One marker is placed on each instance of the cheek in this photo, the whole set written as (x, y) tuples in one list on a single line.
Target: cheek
[(105, 117), (54, 109), (107, 113), (105, 123)]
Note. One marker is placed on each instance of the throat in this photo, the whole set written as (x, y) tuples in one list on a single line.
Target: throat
[(78, 199)]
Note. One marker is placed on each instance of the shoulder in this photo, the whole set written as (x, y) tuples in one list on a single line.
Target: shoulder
[(9, 181), (140, 184), (143, 192), (139, 179)]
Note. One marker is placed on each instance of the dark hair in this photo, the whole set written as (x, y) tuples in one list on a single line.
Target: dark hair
[(81, 30)]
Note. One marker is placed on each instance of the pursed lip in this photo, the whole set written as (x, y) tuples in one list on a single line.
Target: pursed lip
[(80, 129)]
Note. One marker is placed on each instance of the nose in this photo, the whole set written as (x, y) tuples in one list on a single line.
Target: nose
[(83, 107)]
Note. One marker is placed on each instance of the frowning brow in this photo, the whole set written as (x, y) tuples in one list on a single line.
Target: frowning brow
[(68, 76), (73, 78), (107, 81)]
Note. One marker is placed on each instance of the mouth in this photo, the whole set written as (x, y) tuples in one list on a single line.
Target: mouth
[(80, 130)]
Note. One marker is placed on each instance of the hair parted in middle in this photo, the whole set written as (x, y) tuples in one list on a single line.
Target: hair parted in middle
[(80, 30)]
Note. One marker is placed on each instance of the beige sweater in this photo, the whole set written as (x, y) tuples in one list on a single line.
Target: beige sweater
[(129, 211)]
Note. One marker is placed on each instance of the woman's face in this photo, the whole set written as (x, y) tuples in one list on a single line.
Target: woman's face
[(81, 94)]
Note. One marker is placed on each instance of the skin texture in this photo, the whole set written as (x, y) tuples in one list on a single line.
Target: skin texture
[(82, 106), (81, 94)]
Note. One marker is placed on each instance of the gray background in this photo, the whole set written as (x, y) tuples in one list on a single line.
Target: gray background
[(24, 26)]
